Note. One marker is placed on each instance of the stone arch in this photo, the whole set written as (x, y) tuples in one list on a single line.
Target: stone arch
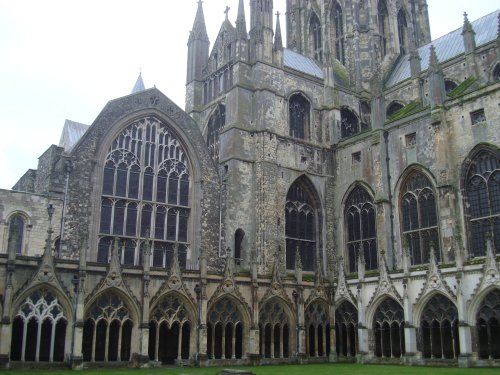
[(372, 308), (315, 32), (449, 85), (487, 324), (299, 115), (128, 300), (387, 322), (420, 305), (275, 332), (24, 236), (317, 325), (477, 300), (350, 124), (346, 328), (393, 107), (495, 72)]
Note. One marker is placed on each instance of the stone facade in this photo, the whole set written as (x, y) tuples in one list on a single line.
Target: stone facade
[(335, 200)]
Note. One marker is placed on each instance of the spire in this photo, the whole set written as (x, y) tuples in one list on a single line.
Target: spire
[(436, 80), (139, 85), (433, 59), (469, 35), (199, 30), (241, 23), (278, 41), (467, 25)]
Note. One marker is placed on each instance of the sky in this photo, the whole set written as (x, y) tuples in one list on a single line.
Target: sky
[(65, 59)]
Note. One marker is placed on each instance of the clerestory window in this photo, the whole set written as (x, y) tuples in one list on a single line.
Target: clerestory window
[(215, 125), (298, 108), (316, 37), (337, 31)]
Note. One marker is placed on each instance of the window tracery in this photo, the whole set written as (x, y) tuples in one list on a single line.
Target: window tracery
[(402, 32), (318, 330), (383, 26), (337, 22), (300, 227), (419, 218), (488, 326), (298, 108), (145, 192), (361, 229), (346, 329), (225, 330), (215, 125), (482, 191), (39, 329), (316, 37), (349, 123), (388, 324), (274, 331)]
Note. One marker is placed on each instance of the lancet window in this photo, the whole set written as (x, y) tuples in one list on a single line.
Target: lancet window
[(316, 37), (298, 111), (225, 331), (145, 193), (337, 31), (16, 234), (274, 331), (169, 331), (361, 233), (349, 123), (488, 326), (419, 218), (496, 73), (346, 329), (107, 331), (482, 191), (388, 326), (300, 227), (439, 329), (402, 32), (39, 329), (215, 126), (383, 26), (317, 330)]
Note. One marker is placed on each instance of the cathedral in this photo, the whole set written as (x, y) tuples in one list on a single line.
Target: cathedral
[(334, 200)]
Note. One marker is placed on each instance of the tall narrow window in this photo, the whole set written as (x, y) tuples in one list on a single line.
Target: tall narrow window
[(215, 125), (349, 123), (482, 192), (360, 229), (273, 326), (239, 235), (318, 330), (346, 329), (146, 176), (298, 108), (383, 26), (300, 227), (223, 318), (496, 73), (315, 37), (337, 31), (402, 32), (16, 234), (388, 327), (419, 218)]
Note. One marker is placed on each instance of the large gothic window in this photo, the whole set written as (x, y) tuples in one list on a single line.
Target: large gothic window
[(215, 125), (360, 229), (488, 326), (145, 194), (346, 329), (383, 26), (315, 37), (402, 32), (274, 331), (107, 331), (16, 234), (39, 329), (482, 192), (300, 227), (419, 218), (317, 324), (225, 330), (337, 31), (298, 111), (169, 331), (388, 326), (349, 123)]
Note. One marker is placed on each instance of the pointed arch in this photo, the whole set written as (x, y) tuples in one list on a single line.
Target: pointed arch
[(488, 324), (299, 109), (317, 322), (349, 123), (383, 27), (337, 31), (346, 328), (275, 320), (403, 31), (387, 319), (302, 224), (480, 191), (216, 123), (393, 108), (18, 223), (495, 73), (315, 37)]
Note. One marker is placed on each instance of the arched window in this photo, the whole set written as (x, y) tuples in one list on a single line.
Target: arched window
[(315, 37), (346, 329), (496, 73), (298, 111), (419, 218), (393, 108), (402, 32), (169, 331), (300, 227), (145, 191), (349, 123), (482, 194), (360, 229), (239, 235), (383, 26), (274, 327), (337, 31), (439, 329), (39, 329), (16, 234), (215, 125), (388, 326), (225, 330), (488, 326), (449, 85), (317, 323), (107, 331), (366, 111)]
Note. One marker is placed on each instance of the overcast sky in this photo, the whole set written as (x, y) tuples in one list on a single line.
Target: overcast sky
[(65, 59)]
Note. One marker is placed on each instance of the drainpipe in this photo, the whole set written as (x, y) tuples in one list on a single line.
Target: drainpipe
[(387, 160)]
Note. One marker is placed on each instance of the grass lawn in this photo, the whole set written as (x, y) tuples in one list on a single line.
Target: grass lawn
[(319, 369)]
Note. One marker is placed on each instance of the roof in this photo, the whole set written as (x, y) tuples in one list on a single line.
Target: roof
[(139, 85), (301, 63), (447, 47), (71, 134)]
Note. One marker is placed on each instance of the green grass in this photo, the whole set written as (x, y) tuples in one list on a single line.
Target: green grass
[(319, 369)]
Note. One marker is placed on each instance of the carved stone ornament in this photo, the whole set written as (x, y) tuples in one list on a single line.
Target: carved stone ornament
[(385, 285), (491, 273), (343, 292)]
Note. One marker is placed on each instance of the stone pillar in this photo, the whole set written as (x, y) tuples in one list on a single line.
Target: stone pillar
[(202, 311), (363, 334), (333, 344), (464, 329), (410, 330)]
